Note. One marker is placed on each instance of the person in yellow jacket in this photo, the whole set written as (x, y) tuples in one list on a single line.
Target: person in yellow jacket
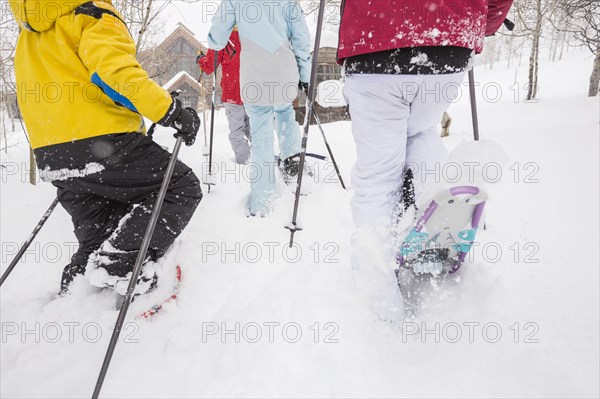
[(83, 97)]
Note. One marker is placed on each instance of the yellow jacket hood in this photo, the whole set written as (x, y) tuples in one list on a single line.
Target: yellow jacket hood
[(40, 15)]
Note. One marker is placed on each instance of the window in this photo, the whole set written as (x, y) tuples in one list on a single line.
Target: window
[(328, 72), (188, 101)]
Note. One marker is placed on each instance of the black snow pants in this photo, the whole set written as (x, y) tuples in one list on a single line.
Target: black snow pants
[(109, 185)]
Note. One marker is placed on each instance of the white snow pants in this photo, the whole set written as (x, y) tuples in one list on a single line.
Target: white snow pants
[(395, 124)]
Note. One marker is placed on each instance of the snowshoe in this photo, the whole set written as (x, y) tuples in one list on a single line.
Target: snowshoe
[(438, 244), (445, 232), (290, 167), (162, 296)]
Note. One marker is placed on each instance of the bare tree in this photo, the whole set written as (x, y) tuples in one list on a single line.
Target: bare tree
[(532, 16), (142, 19), (9, 32), (581, 18)]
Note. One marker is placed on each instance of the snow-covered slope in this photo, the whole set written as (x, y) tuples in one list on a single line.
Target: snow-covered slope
[(526, 306)]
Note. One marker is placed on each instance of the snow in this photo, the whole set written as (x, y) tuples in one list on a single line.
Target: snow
[(175, 78), (49, 175), (329, 94), (329, 38), (234, 329)]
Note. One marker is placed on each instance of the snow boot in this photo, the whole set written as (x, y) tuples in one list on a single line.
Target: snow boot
[(108, 268), (291, 168), (406, 209), (146, 283), (69, 273)]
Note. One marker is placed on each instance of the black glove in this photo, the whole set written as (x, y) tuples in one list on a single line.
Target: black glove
[(187, 125), (185, 120), (303, 86)]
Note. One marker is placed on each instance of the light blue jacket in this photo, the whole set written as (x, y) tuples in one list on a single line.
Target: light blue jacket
[(276, 45)]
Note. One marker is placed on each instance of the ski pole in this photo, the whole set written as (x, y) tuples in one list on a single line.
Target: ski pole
[(310, 98), (203, 110), (27, 243), (335, 165), (204, 123), (474, 112), (316, 156), (510, 26), (137, 268), (212, 122), (473, 104)]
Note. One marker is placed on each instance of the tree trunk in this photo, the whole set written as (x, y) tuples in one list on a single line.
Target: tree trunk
[(510, 51), (144, 26), (3, 126), (532, 77), (535, 72), (595, 77), (534, 54), (520, 54), (552, 46), (555, 50), (562, 45)]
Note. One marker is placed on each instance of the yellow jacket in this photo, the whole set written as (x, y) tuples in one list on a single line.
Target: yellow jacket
[(77, 73)]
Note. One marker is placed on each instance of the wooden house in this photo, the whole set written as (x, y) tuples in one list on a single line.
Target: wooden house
[(172, 64), (327, 69)]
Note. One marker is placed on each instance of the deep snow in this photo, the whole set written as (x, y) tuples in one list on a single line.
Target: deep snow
[(549, 287)]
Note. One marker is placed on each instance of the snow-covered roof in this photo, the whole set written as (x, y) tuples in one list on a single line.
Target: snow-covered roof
[(176, 78), (180, 31)]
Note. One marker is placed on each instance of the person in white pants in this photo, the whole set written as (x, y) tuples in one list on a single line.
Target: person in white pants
[(404, 63), (395, 127)]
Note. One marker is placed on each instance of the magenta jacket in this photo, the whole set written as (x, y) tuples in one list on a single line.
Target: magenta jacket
[(369, 26)]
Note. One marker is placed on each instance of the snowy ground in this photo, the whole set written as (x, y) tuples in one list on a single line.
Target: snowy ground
[(536, 283)]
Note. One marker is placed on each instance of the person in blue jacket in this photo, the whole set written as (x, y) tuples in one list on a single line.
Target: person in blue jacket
[(276, 61)]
